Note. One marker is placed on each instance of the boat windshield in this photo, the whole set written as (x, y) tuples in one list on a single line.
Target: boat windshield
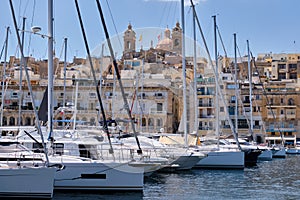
[(9, 147)]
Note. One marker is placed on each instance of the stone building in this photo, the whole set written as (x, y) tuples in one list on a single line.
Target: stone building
[(152, 81)]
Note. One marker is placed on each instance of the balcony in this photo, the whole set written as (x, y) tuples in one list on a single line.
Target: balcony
[(282, 70), (202, 128), (284, 129), (205, 105), (14, 96), (155, 111), (291, 115), (270, 114), (207, 116)]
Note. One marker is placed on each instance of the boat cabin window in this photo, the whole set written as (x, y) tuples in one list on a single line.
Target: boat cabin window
[(9, 147), (58, 148), (87, 151), (37, 148)]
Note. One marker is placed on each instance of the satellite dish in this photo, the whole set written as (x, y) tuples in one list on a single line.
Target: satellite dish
[(36, 29)]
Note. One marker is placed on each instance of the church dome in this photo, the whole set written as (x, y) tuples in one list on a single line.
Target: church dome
[(166, 43)]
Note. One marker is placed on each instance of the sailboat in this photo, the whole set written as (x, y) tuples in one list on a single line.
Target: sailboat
[(218, 156), (81, 173), (27, 182), (18, 180)]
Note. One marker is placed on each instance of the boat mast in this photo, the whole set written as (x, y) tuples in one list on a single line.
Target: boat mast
[(250, 89), (29, 84), (217, 79), (184, 75), (236, 88), (139, 151), (217, 83), (65, 69), (75, 107), (142, 97), (21, 74), (95, 81), (195, 74), (50, 69)]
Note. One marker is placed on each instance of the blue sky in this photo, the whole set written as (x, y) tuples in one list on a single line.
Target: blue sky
[(269, 25)]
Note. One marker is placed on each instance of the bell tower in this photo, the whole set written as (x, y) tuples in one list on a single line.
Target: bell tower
[(177, 38), (129, 40)]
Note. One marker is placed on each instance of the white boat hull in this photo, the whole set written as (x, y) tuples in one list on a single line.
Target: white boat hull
[(186, 162), (266, 155), (27, 182), (99, 176), (222, 160), (281, 153), (292, 151)]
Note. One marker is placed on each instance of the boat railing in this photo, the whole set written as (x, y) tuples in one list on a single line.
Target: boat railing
[(21, 158), (121, 153)]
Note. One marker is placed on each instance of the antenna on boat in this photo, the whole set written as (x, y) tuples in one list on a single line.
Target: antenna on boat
[(139, 151), (94, 76)]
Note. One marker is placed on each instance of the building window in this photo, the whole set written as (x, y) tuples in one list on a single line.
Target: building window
[(158, 95), (291, 102), (92, 106), (233, 98), (92, 121), (150, 122), (200, 102), (92, 95), (11, 121), (159, 123), (143, 106), (128, 44), (281, 66), (27, 121), (144, 121), (293, 75), (281, 76), (210, 102), (4, 121), (159, 107)]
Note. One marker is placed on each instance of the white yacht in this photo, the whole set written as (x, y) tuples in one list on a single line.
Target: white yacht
[(27, 182), (217, 156), (91, 144), (266, 152), (180, 158), (83, 173), (19, 179)]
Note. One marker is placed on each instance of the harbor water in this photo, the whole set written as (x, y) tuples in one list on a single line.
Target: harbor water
[(276, 179)]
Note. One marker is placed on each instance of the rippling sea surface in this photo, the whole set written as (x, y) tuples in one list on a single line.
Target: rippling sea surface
[(276, 179)]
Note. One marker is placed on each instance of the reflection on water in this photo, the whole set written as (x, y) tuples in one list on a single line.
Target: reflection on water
[(277, 179)]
